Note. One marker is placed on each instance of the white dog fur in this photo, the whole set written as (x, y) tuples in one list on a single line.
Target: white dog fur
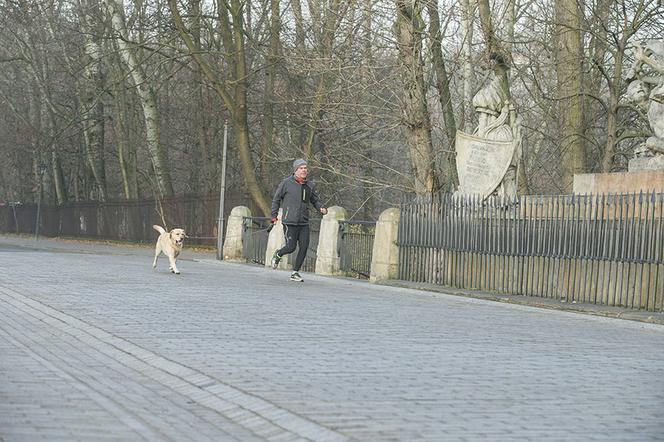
[(170, 244)]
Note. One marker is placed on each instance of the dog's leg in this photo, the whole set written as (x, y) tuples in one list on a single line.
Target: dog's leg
[(157, 251), (174, 268)]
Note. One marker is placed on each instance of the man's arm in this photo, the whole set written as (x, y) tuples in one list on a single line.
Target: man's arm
[(276, 200), (315, 200)]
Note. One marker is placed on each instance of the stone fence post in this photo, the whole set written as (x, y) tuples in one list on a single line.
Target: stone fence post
[(232, 247), (275, 241), (327, 255), (385, 256)]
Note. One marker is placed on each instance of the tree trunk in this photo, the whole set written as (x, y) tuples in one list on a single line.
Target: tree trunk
[(39, 67), (234, 97), (325, 29), (368, 197), (414, 113), (88, 92), (35, 119), (468, 8), (296, 123), (443, 86), (59, 184), (612, 117), (299, 26), (202, 176), (598, 45), (241, 132), (59, 190), (495, 52), (93, 114), (146, 94), (126, 154), (315, 118), (510, 19), (568, 50), (269, 98)]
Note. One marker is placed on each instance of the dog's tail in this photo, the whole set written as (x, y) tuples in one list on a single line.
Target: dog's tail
[(159, 228)]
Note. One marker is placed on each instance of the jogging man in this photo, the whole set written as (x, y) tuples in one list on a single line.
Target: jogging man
[(294, 195)]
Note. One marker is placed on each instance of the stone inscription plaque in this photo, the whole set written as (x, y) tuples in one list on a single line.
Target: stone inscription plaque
[(481, 163)]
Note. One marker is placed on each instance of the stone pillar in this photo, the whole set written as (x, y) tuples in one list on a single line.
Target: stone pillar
[(385, 255), (275, 241), (233, 241), (327, 255)]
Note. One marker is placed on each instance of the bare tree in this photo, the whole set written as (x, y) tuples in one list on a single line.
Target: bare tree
[(233, 91), (568, 49), (408, 29), (158, 153), (269, 91), (616, 31), (449, 172)]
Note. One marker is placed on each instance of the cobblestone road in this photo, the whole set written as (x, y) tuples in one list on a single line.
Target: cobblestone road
[(95, 345)]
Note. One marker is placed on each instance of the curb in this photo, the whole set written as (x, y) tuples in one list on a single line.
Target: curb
[(529, 301)]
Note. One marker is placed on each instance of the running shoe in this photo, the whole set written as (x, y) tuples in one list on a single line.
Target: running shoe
[(275, 260)]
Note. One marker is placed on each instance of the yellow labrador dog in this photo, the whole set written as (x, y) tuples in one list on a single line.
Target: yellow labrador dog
[(170, 244)]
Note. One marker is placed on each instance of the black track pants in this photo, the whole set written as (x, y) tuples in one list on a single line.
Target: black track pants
[(296, 236)]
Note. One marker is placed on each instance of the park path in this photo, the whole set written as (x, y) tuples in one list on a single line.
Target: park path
[(95, 345)]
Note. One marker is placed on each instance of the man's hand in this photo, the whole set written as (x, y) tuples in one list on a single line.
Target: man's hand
[(323, 210), (272, 222)]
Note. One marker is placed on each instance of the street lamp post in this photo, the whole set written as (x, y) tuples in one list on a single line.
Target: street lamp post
[(41, 168), (222, 195)]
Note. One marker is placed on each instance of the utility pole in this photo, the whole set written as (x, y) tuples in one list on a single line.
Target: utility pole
[(41, 168), (222, 195)]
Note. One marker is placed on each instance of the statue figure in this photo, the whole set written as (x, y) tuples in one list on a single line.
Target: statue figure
[(647, 93), (487, 160), (498, 122)]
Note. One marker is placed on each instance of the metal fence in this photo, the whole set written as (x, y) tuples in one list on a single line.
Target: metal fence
[(122, 220), (604, 249), (356, 246), (255, 237), (309, 264)]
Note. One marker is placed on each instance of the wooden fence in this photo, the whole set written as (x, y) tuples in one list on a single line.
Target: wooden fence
[(603, 249)]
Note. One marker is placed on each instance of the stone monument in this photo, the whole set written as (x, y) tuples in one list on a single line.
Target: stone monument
[(646, 92), (487, 160)]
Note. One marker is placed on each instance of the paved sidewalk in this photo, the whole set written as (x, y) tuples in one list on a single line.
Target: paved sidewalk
[(95, 345)]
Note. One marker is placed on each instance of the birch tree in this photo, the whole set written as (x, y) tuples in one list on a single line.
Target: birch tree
[(146, 93)]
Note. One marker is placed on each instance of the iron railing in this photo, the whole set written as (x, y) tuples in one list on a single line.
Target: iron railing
[(604, 249), (254, 239), (356, 246), (309, 264), (124, 220)]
